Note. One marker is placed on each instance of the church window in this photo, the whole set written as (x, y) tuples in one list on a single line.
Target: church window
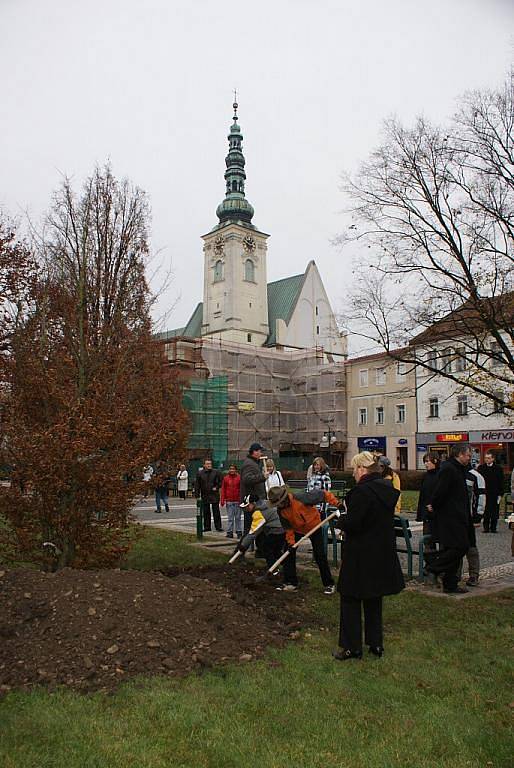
[(248, 336), (317, 330), (234, 186), (218, 271), (249, 270), (317, 312)]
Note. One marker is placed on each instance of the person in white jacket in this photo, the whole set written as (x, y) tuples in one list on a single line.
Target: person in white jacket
[(182, 481), (476, 490), (274, 476)]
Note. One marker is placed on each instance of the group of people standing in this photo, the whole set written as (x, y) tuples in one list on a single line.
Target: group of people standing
[(454, 500), (262, 512), (275, 519)]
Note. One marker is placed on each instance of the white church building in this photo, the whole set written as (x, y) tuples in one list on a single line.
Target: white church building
[(263, 361)]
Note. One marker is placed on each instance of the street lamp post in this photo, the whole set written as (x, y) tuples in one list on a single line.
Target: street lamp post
[(327, 441)]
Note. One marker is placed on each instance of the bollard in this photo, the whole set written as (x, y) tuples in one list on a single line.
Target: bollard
[(199, 519)]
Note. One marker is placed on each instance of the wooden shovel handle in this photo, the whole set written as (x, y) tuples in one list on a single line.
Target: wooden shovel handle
[(304, 538)]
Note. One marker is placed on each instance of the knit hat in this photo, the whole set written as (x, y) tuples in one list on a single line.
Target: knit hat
[(277, 494)]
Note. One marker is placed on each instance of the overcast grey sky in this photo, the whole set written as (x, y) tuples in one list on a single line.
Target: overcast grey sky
[(148, 84)]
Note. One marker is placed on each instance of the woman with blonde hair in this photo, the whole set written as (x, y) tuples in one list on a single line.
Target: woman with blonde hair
[(274, 477), (370, 567)]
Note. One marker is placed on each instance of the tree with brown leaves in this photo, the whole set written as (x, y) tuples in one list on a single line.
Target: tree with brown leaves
[(90, 400)]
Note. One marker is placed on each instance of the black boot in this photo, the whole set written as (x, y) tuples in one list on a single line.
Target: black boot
[(376, 650), (343, 654)]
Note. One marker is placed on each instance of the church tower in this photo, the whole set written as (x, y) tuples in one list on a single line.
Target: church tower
[(235, 299)]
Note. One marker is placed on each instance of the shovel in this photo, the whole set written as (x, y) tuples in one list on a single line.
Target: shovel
[(239, 553), (281, 559)]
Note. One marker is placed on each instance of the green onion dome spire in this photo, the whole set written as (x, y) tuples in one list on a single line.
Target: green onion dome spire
[(235, 207)]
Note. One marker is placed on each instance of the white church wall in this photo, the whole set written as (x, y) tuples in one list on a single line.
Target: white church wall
[(313, 322)]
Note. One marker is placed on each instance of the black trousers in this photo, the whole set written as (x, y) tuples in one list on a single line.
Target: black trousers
[(272, 546), (320, 556), (446, 561), (206, 509), (182, 494), (350, 625), (491, 513)]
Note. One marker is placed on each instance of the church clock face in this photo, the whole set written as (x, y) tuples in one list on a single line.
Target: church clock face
[(218, 245), (249, 244)]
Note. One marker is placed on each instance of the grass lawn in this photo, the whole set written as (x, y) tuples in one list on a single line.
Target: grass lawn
[(409, 501), (440, 697)]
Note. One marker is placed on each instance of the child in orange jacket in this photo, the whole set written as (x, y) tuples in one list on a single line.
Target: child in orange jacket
[(299, 516)]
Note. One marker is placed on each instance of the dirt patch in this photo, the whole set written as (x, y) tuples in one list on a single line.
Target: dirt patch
[(90, 630)]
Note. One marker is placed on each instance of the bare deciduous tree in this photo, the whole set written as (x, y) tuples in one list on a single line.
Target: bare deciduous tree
[(435, 208)]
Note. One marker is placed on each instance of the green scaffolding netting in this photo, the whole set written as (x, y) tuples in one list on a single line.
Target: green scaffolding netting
[(207, 402)]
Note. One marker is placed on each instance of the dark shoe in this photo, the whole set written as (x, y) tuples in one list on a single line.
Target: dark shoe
[(376, 650), (158, 511), (239, 534), (472, 583), (342, 654), (229, 535), (486, 530), (167, 509), (219, 530), (456, 591), (207, 529)]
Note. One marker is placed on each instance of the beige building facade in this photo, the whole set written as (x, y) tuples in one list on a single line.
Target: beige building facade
[(381, 409)]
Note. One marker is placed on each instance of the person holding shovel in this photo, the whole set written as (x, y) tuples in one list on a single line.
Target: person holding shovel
[(299, 515), (266, 524)]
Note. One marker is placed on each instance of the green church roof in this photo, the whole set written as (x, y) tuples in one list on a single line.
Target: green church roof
[(193, 328), (282, 297), (165, 335)]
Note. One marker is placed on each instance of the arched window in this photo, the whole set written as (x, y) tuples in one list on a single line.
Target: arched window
[(250, 270), (218, 271), (234, 186)]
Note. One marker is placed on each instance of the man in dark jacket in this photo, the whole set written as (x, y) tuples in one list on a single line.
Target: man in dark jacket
[(253, 479), (450, 510), (493, 476), (207, 487)]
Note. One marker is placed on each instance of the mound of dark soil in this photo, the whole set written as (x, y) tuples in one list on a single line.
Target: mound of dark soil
[(92, 629)]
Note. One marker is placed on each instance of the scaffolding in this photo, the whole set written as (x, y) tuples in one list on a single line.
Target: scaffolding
[(206, 400), (283, 399)]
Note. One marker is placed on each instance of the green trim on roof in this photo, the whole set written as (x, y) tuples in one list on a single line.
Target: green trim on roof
[(282, 297), (165, 335), (193, 328)]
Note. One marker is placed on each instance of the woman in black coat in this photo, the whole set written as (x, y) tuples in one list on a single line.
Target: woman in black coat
[(432, 463), (370, 567)]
